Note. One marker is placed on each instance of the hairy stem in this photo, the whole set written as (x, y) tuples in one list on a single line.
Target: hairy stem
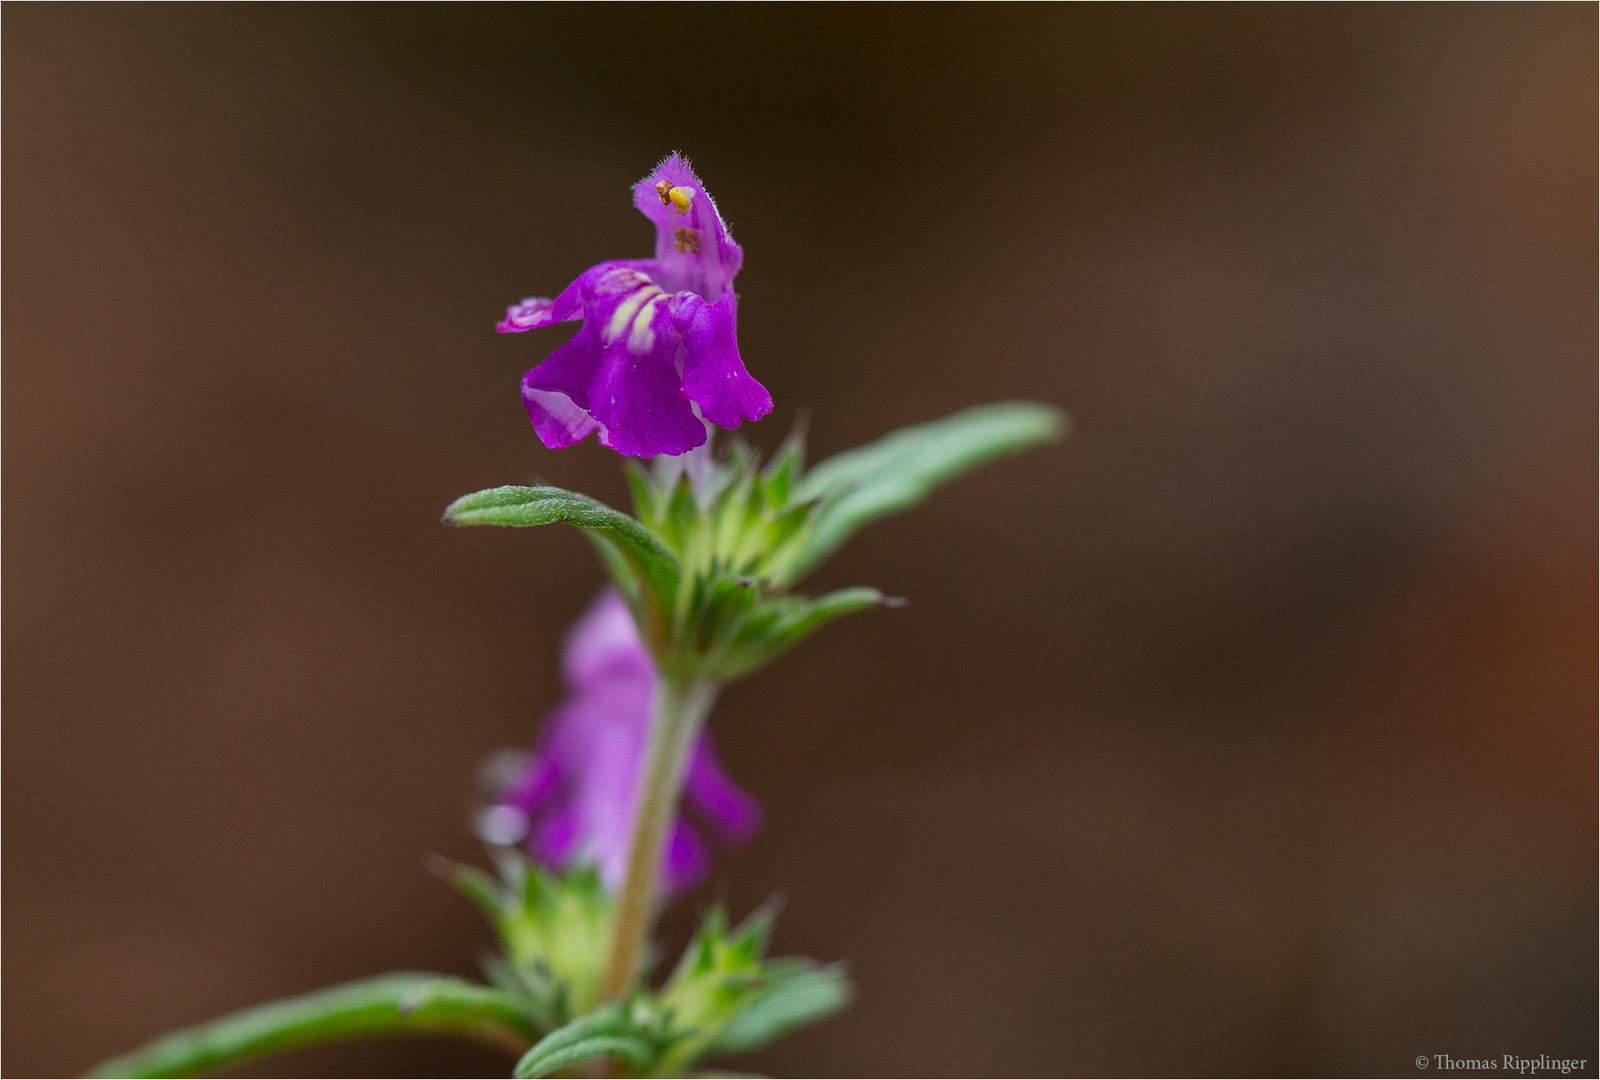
[(400, 1004), (681, 709)]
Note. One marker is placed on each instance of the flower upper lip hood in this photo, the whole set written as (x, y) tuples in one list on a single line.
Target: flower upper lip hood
[(577, 796), (658, 348)]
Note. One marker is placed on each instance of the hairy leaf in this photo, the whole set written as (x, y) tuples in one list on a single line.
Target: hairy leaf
[(899, 470), (783, 622), (606, 1031), (796, 994), (382, 1005), (654, 567), (519, 506)]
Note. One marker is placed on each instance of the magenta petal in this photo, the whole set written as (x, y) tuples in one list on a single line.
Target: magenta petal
[(570, 369), (637, 394), (532, 312), (714, 377), (555, 392), (618, 374), (728, 808), (536, 311), (556, 419), (604, 645), (580, 789), (687, 859), (537, 785), (659, 337), (555, 839), (694, 251)]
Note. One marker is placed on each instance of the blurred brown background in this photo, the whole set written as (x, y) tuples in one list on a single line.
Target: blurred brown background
[(1251, 731)]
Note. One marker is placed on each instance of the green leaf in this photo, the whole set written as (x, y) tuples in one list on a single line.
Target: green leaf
[(537, 1063), (405, 1002), (519, 506), (654, 567), (783, 622), (796, 994), (606, 1031), (899, 470)]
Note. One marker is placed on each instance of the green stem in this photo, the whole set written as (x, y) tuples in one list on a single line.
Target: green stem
[(681, 710), (397, 1004)]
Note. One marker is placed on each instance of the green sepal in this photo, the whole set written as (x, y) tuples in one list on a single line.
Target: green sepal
[(778, 624), (777, 479), (641, 489), (899, 470), (611, 1030), (555, 929), (396, 1004), (795, 993), (725, 997)]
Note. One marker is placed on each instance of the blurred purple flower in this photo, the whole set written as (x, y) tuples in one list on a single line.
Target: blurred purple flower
[(657, 350), (575, 797)]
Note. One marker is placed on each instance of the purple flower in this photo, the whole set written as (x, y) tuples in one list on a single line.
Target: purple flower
[(657, 350), (576, 796)]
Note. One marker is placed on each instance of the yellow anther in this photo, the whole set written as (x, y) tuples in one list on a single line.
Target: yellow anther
[(679, 197)]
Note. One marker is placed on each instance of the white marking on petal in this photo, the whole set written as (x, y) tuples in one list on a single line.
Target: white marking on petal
[(643, 337), (526, 315), (622, 318)]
